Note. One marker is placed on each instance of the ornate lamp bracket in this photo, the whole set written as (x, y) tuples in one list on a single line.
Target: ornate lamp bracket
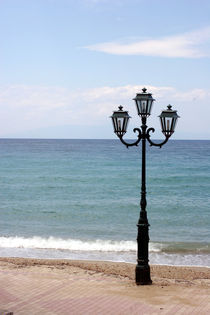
[(127, 144), (153, 143)]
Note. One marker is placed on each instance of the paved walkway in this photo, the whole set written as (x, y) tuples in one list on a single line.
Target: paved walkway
[(51, 291)]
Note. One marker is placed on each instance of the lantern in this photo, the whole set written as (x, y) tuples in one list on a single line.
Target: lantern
[(144, 103), (120, 120), (168, 119)]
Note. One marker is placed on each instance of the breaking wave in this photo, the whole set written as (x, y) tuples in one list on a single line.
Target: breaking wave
[(37, 242)]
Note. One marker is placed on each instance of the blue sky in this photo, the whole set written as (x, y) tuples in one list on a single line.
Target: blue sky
[(66, 65)]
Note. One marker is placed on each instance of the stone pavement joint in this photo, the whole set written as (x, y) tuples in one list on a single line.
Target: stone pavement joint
[(51, 291)]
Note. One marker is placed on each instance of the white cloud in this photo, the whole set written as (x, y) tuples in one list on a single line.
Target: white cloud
[(187, 45), (25, 108)]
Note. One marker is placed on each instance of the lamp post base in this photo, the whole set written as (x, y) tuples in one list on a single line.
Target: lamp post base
[(143, 275)]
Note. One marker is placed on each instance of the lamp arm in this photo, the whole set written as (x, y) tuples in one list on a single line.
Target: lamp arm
[(153, 143), (134, 143)]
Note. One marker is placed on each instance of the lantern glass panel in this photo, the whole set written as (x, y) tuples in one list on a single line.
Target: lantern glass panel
[(149, 106), (168, 123), (143, 107), (174, 121), (138, 104), (120, 123), (114, 121), (126, 123)]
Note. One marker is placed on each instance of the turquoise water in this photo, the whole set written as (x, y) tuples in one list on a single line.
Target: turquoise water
[(79, 199)]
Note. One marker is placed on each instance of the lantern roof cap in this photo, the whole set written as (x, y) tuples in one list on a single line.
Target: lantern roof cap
[(169, 112), (144, 95), (120, 113)]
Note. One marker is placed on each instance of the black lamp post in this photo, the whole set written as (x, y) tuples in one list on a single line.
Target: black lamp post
[(168, 119)]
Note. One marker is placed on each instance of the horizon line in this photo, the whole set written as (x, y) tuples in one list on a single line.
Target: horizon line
[(34, 138)]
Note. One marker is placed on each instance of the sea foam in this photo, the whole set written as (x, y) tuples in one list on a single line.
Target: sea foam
[(73, 244)]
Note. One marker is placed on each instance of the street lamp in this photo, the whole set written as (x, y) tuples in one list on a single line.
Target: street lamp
[(168, 119)]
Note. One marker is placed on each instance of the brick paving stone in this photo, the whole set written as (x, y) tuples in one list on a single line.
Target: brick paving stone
[(57, 292)]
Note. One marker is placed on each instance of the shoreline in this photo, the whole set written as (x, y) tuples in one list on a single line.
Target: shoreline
[(160, 274), (70, 260)]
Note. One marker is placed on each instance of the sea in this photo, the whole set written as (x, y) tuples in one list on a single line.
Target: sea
[(79, 199)]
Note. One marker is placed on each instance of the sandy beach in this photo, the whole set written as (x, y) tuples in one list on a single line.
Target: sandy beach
[(35, 286)]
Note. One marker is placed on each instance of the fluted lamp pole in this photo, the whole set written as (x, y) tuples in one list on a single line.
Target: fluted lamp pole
[(168, 118)]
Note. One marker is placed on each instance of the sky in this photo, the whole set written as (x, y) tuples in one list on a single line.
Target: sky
[(66, 65)]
